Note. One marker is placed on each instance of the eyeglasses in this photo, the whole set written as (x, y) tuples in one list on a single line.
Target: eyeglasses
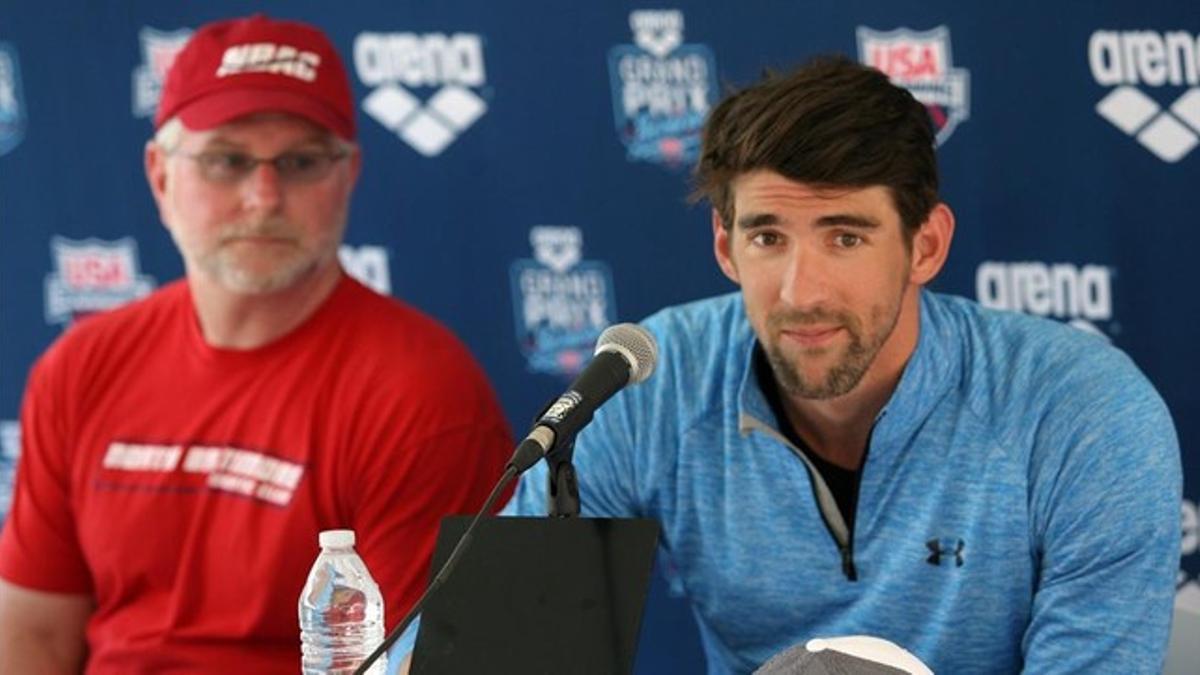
[(294, 167)]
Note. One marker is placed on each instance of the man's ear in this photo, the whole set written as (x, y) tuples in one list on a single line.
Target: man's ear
[(721, 248), (931, 245), (155, 161), (355, 164)]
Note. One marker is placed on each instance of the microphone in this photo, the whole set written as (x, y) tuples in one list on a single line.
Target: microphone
[(625, 354)]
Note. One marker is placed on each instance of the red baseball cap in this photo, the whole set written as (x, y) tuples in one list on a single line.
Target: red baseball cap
[(229, 69)]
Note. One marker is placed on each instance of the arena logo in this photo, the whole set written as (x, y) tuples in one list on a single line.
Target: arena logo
[(394, 64), (662, 89), (12, 107), (561, 302), (158, 53), (1081, 296), (1154, 60), (10, 450), (92, 276), (1187, 589), (921, 62), (369, 264)]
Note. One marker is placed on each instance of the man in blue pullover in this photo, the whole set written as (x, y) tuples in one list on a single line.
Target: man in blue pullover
[(835, 450)]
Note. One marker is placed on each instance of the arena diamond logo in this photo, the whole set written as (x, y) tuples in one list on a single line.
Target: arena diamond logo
[(1146, 67), (399, 67), (921, 62)]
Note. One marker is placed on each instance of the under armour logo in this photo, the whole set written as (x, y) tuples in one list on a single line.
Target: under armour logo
[(938, 548)]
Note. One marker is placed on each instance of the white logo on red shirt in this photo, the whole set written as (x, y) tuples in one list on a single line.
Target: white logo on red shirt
[(244, 472)]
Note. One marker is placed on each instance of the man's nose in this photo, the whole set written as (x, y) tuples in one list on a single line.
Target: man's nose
[(262, 189), (805, 282)]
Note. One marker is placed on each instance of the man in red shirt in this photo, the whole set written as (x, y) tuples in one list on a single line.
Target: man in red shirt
[(181, 454)]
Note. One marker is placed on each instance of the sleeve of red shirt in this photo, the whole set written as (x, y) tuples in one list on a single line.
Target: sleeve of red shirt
[(39, 547), (436, 446)]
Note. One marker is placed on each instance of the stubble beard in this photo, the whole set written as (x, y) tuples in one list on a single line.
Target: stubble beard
[(849, 370)]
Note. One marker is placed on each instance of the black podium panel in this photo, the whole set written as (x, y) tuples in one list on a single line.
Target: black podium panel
[(538, 595)]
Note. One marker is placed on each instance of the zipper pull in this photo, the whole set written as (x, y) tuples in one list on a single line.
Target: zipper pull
[(848, 564)]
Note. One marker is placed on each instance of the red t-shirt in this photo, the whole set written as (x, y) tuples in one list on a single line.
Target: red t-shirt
[(183, 486)]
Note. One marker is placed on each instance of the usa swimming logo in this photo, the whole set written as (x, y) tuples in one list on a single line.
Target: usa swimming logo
[(921, 62), (91, 276), (12, 107), (398, 66), (10, 450), (1155, 61), (159, 49), (561, 302), (662, 89)]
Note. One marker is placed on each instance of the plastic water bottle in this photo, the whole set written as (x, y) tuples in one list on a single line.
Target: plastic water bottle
[(341, 610)]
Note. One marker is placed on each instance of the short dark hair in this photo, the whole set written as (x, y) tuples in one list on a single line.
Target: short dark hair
[(830, 123)]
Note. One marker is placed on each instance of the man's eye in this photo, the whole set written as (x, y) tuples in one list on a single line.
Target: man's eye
[(848, 240), (766, 239), (227, 161), (295, 162)]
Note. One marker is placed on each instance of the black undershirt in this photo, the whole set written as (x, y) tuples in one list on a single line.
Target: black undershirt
[(843, 483)]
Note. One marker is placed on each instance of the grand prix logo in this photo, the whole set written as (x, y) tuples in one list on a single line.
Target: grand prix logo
[(921, 62), (397, 65), (662, 89), (561, 302), (1153, 60)]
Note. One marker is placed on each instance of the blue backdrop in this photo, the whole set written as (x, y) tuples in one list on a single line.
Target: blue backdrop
[(526, 172)]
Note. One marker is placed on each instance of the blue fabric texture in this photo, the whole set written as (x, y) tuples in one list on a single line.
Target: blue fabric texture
[(403, 647), (1019, 504)]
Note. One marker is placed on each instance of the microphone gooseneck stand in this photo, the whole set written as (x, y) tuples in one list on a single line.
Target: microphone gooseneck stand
[(563, 492), (510, 472)]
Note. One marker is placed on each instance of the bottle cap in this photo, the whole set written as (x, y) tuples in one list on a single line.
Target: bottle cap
[(336, 538)]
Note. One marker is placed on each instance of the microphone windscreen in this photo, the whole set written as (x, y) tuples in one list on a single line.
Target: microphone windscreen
[(633, 342)]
